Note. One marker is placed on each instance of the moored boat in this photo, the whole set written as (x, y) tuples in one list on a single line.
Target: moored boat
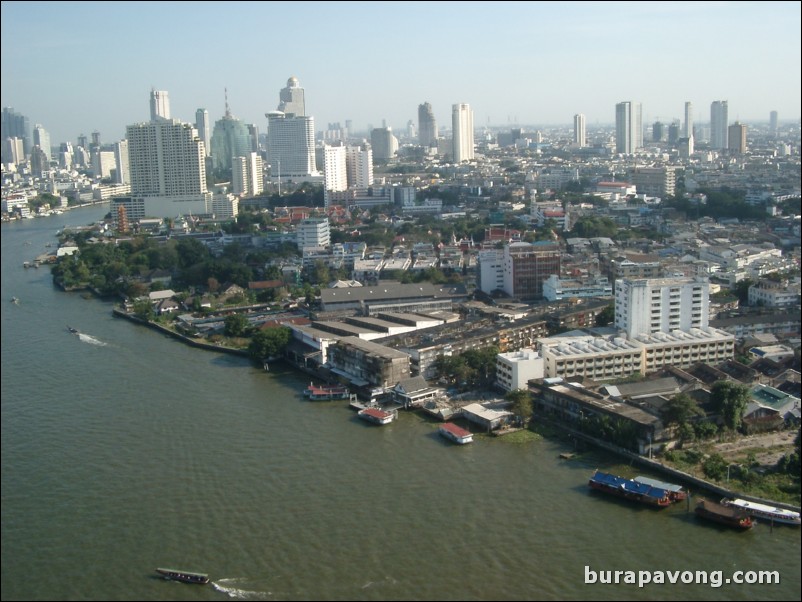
[(184, 576), (675, 492), (451, 431), (377, 415), (629, 489), (323, 392), (771, 513), (725, 515)]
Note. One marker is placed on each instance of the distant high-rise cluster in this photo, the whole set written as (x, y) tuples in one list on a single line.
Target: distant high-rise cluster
[(462, 132), (17, 126), (628, 127), (718, 125), (427, 126)]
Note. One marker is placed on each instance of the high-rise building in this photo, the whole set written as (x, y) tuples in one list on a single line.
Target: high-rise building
[(291, 145), (427, 125), (628, 127), (203, 127), (359, 165), (159, 105), (718, 124), (655, 181), (42, 139), (13, 150), (527, 266), (462, 132), (230, 139), (736, 138), (580, 132), (123, 173), (246, 175), (383, 143), (335, 172), (773, 123), (645, 306), (688, 132), (15, 125), (292, 98), (657, 131)]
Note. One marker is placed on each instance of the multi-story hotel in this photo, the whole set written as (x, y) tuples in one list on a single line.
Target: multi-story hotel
[(291, 145)]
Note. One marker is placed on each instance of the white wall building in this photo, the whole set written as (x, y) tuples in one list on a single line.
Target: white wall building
[(313, 232), (462, 132), (580, 131), (628, 127), (335, 172), (557, 289), (202, 124), (491, 270), (515, 369), (247, 177), (159, 105), (359, 165), (644, 306), (774, 294), (291, 145)]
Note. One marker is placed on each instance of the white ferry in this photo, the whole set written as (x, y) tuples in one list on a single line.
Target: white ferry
[(780, 515)]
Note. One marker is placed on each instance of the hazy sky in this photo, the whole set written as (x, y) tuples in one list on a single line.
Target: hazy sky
[(76, 67)]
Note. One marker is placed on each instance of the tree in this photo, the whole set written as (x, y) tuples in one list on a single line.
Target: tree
[(269, 342), (730, 399), (521, 403), (606, 316), (236, 325), (680, 409)]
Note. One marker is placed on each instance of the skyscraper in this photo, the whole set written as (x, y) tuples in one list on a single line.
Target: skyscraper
[(579, 130), (773, 123), (628, 127), (657, 131), (202, 125), (359, 163), (159, 105), (383, 143), (462, 132), (290, 145), (718, 124), (688, 132), (335, 173), (123, 170), (427, 126), (644, 306), (292, 98), (736, 138), (230, 139), (246, 175), (42, 139), (15, 125)]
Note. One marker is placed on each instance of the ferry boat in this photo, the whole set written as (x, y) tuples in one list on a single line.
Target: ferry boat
[(725, 515), (630, 489), (451, 431), (72, 330), (324, 392), (184, 576), (780, 515), (675, 492), (377, 415)]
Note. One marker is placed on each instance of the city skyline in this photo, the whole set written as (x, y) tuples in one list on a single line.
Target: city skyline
[(68, 67)]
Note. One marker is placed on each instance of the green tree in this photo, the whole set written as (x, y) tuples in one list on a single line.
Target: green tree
[(144, 310), (715, 467), (680, 409), (269, 343), (236, 325), (730, 399), (521, 403), (606, 316)]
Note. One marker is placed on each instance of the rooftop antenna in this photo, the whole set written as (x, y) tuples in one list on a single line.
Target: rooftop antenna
[(225, 91)]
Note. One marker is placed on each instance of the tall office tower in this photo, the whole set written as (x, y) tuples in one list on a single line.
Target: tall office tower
[(13, 150), (123, 173), (383, 143), (688, 131), (628, 127), (718, 124), (42, 139), (462, 132), (335, 173), (580, 131), (657, 131), (253, 134), (95, 141), (736, 138), (291, 145), (202, 125), (527, 266), (15, 125), (65, 155), (82, 141), (292, 98), (359, 165), (39, 163), (246, 175), (230, 138), (159, 105), (773, 123), (427, 125), (673, 132), (647, 305)]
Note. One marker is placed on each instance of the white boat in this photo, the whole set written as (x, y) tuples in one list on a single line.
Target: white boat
[(780, 515), (451, 431), (378, 416)]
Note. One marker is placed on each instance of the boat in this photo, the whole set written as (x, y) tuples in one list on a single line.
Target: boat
[(73, 330), (675, 492), (184, 576), (377, 415), (725, 515), (780, 515), (451, 431), (14, 300), (323, 392), (630, 489)]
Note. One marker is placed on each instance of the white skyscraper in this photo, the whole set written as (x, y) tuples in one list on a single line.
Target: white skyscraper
[(246, 175), (359, 164), (335, 173), (718, 124), (159, 105), (42, 139), (688, 132), (462, 132), (645, 306), (291, 145), (202, 125), (580, 130), (292, 98), (628, 127), (123, 170)]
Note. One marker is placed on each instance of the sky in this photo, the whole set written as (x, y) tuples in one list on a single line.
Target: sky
[(79, 67)]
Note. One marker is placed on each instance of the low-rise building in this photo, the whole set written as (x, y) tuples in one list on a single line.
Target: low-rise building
[(516, 368)]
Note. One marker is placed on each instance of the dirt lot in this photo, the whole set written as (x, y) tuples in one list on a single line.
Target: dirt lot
[(775, 445)]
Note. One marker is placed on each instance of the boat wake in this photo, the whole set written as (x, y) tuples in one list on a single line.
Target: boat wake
[(228, 587), (85, 338)]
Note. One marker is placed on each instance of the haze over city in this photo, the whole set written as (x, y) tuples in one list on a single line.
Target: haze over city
[(83, 67)]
